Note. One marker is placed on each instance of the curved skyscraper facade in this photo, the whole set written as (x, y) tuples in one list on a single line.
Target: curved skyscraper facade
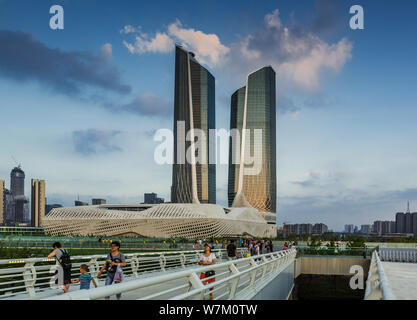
[(194, 112), (253, 107)]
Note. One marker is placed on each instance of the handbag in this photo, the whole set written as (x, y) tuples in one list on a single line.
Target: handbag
[(209, 273)]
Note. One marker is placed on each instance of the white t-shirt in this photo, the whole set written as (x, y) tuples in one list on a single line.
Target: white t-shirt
[(208, 259)]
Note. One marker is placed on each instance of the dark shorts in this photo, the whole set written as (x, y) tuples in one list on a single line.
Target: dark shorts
[(67, 276)]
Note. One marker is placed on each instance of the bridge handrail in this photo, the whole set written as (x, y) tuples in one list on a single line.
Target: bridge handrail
[(197, 288), (377, 286), (32, 275)]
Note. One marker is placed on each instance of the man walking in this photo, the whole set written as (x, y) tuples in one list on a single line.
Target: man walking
[(115, 261), (231, 250), (64, 266)]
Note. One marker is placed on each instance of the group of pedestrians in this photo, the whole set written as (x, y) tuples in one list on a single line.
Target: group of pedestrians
[(258, 247), (115, 261)]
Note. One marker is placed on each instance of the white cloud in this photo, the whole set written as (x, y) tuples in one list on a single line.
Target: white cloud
[(160, 43), (107, 51), (130, 29), (207, 47), (297, 54)]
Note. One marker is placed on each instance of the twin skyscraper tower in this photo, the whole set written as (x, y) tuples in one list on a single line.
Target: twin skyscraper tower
[(252, 113)]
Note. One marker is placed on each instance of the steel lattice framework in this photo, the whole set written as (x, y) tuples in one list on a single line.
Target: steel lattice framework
[(161, 221)]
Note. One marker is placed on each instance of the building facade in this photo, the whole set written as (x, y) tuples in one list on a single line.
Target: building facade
[(349, 228), (38, 203), (304, 229), (97, 202), (79, 203), (320, 228), (194, 114), (253, 109), (152, 198), (17, 187), (366, 229)]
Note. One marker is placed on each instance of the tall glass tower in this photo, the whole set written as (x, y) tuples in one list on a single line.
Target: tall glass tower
[(254, 107), (194, 111)]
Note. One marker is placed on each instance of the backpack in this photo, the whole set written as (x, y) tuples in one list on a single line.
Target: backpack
[(109, 267), (65, 260), (231, 250)]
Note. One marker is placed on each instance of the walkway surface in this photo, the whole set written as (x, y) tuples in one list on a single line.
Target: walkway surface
[(135, 294), (402, 279)]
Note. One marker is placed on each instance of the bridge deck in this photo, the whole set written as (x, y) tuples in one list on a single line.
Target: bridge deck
[(132, 295), (402, 279)]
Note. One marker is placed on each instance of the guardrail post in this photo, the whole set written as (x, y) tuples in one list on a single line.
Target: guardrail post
[(196, 284), (94, 267), (162, 262), (235, 281), (253, 275), (29, 276), (182, 259), (135, 265), (265, 268)]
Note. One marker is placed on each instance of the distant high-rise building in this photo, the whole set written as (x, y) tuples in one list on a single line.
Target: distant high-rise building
[(349, 228), (384, 227), (9, 208), (366, 228), (194, 112), (377, 227), (2, 202), (17, 188), (38, 202), (300, 229), (400, 222), (320, 228), (97, 202), (414, 222), (253, 108), (17, 181), (408, 223), (79, 203), (152, 198)]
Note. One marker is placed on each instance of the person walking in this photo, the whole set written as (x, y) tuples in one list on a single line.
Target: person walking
[(231, 250), (85, 278), (64, 266), (364, 251), (115, 261), (208, 258)]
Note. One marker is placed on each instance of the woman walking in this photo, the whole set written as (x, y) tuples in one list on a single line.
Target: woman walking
[(208, 258)]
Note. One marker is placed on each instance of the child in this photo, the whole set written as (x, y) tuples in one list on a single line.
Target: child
[(85, 278)]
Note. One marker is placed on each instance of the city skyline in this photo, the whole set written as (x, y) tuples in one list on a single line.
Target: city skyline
[(343, 139)]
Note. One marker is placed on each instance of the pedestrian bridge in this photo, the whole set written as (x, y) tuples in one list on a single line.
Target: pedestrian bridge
[(392, 275), (159, 275)]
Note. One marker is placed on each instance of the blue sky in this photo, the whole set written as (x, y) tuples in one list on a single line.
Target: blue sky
[(79, 106)]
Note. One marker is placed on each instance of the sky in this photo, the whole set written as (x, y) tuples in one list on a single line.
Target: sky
[(79, 107)]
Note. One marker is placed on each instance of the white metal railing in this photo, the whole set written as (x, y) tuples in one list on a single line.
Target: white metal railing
[(239, 279), (377, 287), (31, 277), (398, 255)]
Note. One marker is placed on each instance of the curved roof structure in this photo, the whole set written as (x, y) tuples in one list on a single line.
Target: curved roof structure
[(160, 221)]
